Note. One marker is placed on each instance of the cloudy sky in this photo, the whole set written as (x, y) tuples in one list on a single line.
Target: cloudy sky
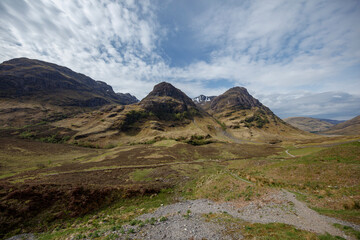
[(300, 58)]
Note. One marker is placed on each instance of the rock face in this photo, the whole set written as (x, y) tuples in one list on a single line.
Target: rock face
[(43, 81), (165, 100)]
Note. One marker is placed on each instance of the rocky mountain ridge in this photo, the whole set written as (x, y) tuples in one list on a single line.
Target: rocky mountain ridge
[(165, 112), (58, 85)]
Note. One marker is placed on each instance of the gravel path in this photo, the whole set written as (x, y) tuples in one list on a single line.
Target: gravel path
[(287, 152), (283, 207), (184, 220)]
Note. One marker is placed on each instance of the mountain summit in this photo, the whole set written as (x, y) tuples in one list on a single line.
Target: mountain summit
[(165, 89), (165, 100), (236, 98)]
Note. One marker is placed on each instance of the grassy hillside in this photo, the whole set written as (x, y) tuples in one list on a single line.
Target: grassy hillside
[(350, 127)]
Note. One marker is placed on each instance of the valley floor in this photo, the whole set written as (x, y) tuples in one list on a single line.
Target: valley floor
[(307, 189)]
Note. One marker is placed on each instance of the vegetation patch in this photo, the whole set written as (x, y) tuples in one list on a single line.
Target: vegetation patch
[(131, 118), (274, 231), (197, 140), (224, 187), (142, 175), (348, 230), (258, 119)]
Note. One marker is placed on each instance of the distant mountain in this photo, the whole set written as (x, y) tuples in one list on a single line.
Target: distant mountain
[(310, 124), (41, 81), (334, 122), (127, 98), (350, 127), (203, 99)]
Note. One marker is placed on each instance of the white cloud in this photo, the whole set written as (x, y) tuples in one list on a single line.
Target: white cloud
[(270, 47), (334, 105), (107, 40)]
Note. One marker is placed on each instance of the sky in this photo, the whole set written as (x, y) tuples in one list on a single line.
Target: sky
[(299, 58)]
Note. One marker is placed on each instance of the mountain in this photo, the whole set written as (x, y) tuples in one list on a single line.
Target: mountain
[(166, 112), (34, 79), (310, 124), (201, 99), (127, 98), (236, 98), (245, 117), (32, 91), (165, 101), (350, 127)]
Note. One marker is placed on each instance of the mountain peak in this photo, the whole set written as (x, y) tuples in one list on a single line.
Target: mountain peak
[(238, 89), (165, 89), (237, 98), (166, 99)]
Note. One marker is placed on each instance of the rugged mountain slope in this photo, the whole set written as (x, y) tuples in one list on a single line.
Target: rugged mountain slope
[(309, 124), (43, 81), (350, 127), (127, 98), (165, 101), (166, 112), (33, 90), (247, 118)]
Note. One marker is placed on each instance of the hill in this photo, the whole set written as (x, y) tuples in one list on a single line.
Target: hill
[(309, 124), (350, 127), (33, 90), (334, 122)]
